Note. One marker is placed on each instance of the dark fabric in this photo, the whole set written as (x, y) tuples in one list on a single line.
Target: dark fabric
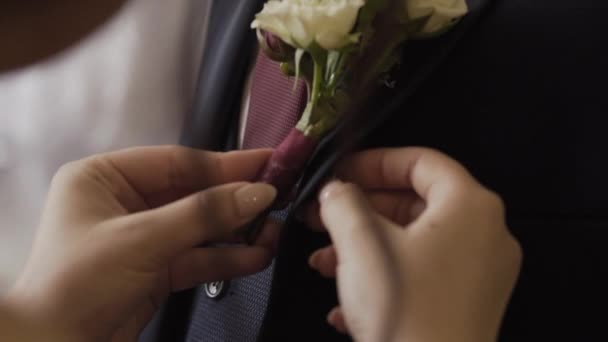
[(274, 108), (235, 317), (520, 100), (226, 59)]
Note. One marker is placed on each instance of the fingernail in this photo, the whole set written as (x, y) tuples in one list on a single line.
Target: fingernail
[(253, 198), (330, 189), (313, 261), (332, 317)]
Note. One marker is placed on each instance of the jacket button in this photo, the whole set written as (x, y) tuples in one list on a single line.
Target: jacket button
[(216, 289)]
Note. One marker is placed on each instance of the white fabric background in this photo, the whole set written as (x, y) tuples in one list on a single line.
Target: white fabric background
[(130, 83)]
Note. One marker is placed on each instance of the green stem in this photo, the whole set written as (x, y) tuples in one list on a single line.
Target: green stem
[(304, 122), (317, 82)]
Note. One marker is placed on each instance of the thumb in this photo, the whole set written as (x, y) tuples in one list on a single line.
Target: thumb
[(365, 268), (355, 227), (213, 215)]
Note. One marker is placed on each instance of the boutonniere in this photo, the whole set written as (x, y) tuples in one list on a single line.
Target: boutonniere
[(328, 43)]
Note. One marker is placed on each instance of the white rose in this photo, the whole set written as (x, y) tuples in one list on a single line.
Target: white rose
[(441, 14), (299, 23)]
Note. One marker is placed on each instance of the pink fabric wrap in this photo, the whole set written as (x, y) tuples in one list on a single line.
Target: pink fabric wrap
[(286, 164)]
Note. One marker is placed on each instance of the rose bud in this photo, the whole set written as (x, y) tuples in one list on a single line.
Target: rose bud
[(274, 47)]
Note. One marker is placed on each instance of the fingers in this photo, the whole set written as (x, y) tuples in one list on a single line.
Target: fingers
[(212, 215), (336, 319), (364, 249), (400, 207), (355, 228), (404, 168), (269, 236), (325, 261), (203, 265), (155, 170), (311, 215)]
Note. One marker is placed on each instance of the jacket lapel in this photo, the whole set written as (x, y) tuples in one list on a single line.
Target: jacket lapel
[(421, 58), (228, 51)]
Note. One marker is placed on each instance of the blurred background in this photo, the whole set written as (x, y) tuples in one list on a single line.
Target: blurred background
[(127, 83)]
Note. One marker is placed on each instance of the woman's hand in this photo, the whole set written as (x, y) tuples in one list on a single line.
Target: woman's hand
[(121, 231), (420, 250)]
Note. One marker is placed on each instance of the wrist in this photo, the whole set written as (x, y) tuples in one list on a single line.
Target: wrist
[(439, 336), (24, 322), (445, 332)]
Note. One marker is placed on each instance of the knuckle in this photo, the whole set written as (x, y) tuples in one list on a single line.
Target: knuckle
[(509, 255), (207, 214), (508, 245), (515, 251), (66, 171), (205, 203), (487, 202), (493, 202), (483, 211), (459, 191), (178, 157), (348, 190), (337, 193), (73, 171), (429, 151)]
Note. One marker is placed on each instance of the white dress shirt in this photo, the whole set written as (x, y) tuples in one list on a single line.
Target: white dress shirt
[(130, 83)]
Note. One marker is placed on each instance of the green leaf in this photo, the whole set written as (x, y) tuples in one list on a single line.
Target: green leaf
[(288, 69), (298, 61), (368, 13), (419, 35), (318, 54), (333, 58)]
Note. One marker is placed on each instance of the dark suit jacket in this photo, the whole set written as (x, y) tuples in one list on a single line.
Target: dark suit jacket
[(518, 93)]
